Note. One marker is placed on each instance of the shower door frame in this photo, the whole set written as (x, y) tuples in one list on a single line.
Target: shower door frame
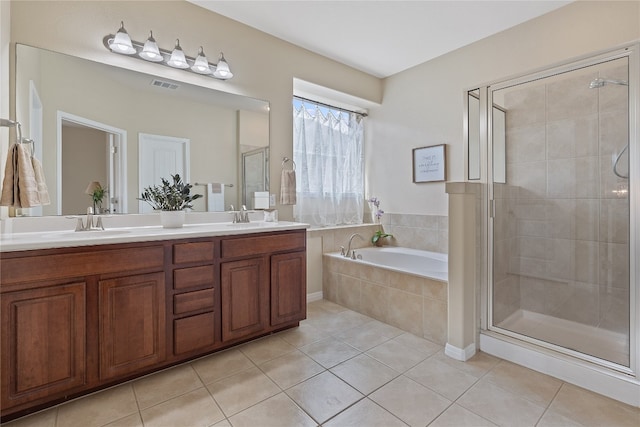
[(487, 329)]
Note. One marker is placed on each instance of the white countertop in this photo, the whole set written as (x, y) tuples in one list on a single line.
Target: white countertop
[(68, 238)]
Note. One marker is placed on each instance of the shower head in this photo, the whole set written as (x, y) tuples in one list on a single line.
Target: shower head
[(599, 82)]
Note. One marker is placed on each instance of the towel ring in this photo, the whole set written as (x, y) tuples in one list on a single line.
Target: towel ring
[(285, 160)]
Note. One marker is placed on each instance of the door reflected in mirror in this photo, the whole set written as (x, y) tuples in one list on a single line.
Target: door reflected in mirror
[(91, 117)]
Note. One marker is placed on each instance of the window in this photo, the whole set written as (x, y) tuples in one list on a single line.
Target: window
[(328, 151)]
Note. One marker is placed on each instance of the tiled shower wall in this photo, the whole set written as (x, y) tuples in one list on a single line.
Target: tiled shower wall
[(561, 226)]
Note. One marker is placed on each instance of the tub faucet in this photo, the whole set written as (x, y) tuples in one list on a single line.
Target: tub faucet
[(348, 253)]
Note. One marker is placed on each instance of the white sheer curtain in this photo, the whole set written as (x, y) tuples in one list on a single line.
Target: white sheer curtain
[(328, 152)]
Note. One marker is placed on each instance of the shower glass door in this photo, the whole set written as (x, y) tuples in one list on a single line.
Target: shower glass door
[(560, 228)]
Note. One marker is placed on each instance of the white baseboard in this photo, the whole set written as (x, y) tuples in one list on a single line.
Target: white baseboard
[(460, 354), (314, 296), (615, 385)]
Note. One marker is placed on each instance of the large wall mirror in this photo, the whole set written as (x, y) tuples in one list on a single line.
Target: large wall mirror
[(125, 129)]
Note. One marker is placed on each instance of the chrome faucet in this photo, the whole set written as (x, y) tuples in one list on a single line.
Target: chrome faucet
[(89, 225), (348, 253), (241, 216), (244, 215)]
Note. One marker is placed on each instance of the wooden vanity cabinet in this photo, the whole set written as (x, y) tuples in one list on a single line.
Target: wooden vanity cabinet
[(43, 342), (263, 283), (132, 333), (74, 320), (244, 287), (194, 298), (288, 288)]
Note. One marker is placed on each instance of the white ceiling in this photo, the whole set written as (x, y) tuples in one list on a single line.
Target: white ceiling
[(381, 37)]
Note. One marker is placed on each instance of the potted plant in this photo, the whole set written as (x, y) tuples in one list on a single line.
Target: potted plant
[(97, 193), (376, 215), (171, 199)]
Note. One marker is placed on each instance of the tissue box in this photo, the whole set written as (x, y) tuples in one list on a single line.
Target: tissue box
[(271, 215), (261, 200)]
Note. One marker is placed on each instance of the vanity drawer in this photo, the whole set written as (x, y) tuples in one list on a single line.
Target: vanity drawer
[(76, 262), (193, 301), (248, 246), (193, 252), (193, 333), (193, 277)]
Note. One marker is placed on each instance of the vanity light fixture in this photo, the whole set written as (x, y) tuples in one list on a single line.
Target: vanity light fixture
[(149, 51), (222, 69), (201, 65), (178, 60), (121, 43)]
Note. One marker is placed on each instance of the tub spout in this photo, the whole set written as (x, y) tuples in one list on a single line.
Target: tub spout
[(348, 253)]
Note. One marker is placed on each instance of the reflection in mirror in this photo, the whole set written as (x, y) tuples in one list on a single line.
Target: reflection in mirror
[(87, 119), (472, 127), (473, 134), (498, 127)]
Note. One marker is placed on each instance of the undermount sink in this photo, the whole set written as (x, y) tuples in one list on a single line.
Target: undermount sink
[(255, 224), (82, 234)]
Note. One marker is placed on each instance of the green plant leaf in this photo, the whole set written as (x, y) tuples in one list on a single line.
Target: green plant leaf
[(169, 196)]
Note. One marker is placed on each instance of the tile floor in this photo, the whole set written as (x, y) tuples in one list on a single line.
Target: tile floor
[(340, 368)]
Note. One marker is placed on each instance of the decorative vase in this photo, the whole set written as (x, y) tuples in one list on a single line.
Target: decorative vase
[(374, 218), (172, 219)]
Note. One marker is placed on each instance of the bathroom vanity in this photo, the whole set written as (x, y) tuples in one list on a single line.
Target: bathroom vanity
[(79, 315)]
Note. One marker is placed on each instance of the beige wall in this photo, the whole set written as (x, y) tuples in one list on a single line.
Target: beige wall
[(84, 160), (77, 28), (5, 27), (424, 105)]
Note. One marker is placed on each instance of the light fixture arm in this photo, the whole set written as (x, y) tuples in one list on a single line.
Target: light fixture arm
[(166, 55)]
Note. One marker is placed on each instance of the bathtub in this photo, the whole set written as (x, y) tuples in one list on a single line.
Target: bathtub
[(403, 287), (432, 265)]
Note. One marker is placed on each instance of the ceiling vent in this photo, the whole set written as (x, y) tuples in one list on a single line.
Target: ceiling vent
[(163, 84)]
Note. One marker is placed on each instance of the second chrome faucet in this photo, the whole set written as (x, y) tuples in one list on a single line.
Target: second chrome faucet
[(350, 252)]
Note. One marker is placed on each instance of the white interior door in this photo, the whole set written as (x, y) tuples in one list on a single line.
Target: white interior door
[(159, 157)]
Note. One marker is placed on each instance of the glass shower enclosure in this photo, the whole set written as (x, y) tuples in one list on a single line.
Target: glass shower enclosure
[(559, 211)]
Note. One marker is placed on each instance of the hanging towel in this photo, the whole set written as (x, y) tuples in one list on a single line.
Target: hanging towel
[(215, 197), (19, 187), (9, 192), (288, 187), (43, 191)]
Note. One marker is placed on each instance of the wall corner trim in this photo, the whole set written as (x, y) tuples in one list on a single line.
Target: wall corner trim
[(460, 354), (316, 296)]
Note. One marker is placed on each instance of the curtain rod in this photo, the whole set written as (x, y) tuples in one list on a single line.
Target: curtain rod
[(330, 106)]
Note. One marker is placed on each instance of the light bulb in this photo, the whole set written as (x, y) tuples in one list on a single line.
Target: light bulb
[(178, 59), (201, 65), (121, 43), (222, 69), (150, 51)]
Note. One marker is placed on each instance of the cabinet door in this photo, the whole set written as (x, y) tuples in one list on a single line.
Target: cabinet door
[(244, 289), (132, 324), (43, 342), (288, 288)]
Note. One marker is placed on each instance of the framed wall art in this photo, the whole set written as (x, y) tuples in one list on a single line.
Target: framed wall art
[(429, 164)]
